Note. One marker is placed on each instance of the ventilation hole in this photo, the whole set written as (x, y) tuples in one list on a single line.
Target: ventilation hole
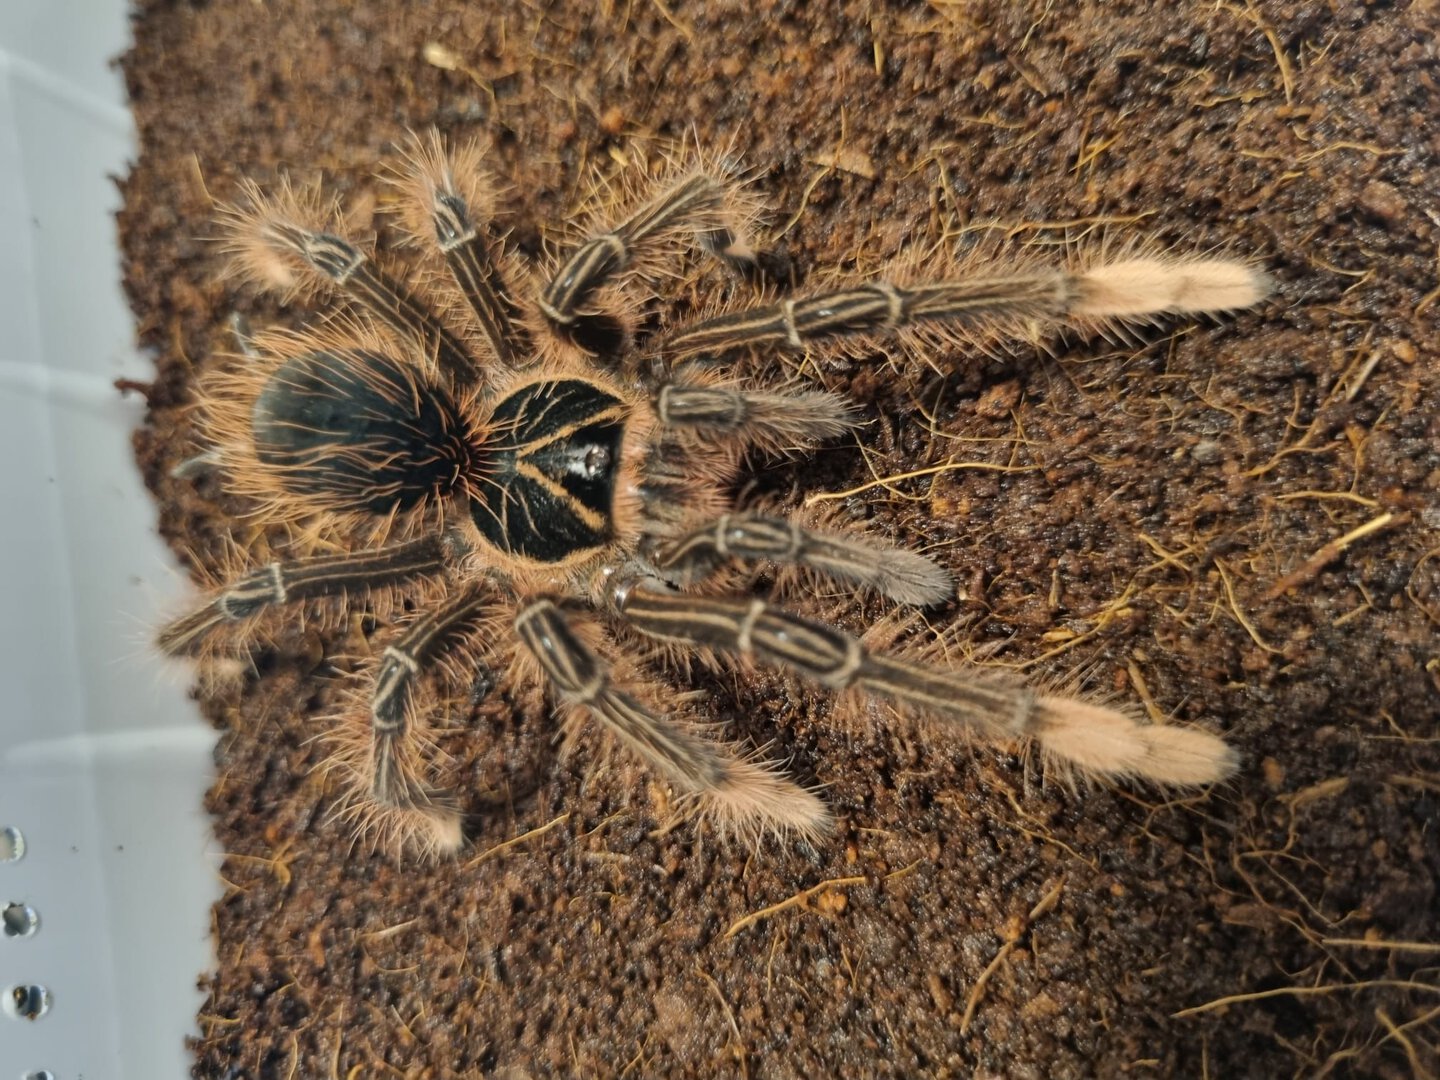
[(26, 1002), (12, 844), (43, 1074), (19, 920)]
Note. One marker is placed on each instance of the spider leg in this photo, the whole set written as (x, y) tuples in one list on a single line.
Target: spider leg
[(350, 270), (304, 579), (479, 278), (901, 575), (744, 793), (1093, 738), (697, 203), (391, 778), (448, 201), (773, 420), (1126, 290)]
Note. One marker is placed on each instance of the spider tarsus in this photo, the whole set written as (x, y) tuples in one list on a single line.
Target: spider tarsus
[(1143, 287), (438, 832), (753, 799), (904, 576), (431, 829), (1103, 742), (183, 636)]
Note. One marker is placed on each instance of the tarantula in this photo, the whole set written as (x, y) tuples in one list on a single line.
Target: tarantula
[(537, 466)]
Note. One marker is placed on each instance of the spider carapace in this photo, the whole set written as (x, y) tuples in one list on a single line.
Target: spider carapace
[(554, 471), (521, 471)]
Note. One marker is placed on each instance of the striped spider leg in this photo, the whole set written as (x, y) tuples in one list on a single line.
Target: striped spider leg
[(268, 230), (983, 307), (447, 201), (1096, 739), (280, 583), (740, 794), (387, 771), (699, 203), (384, 766)]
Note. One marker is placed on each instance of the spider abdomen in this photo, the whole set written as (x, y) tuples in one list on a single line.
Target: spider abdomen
[(552, 459), (356, 430)]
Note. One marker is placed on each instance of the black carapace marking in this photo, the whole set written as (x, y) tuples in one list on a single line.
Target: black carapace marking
[(551, 462)]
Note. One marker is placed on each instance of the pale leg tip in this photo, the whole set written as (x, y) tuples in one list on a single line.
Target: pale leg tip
[(756, 800), (1142, 287), (444, 836), (429, 832), (1102, 741)]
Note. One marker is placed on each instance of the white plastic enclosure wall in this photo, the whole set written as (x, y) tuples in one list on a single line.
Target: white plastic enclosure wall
[(102, 763)]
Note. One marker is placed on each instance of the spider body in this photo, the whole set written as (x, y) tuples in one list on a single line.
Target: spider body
[(567, 479)]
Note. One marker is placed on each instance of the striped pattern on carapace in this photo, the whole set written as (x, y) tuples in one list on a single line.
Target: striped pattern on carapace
[(552, 458)]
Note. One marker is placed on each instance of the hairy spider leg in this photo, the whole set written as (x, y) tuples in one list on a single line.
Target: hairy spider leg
[(393, 781), (350, 270), (901, 575), (738, 792), (696, 203), (1097, 740), (774, 421), (305, 579), (1130, 289), (431, 180)]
